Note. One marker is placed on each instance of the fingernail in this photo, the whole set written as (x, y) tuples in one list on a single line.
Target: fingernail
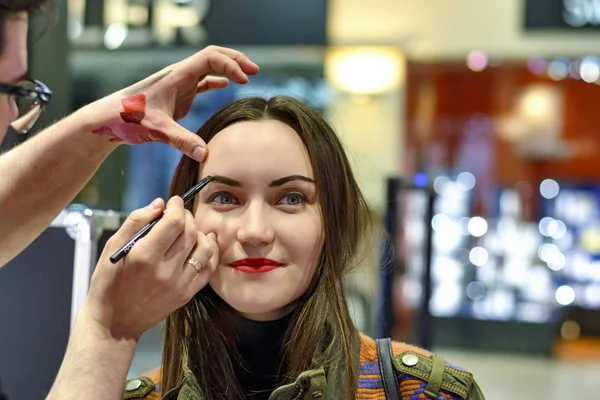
[(155, 205), (212, 236), (198, 154), (177, 199)]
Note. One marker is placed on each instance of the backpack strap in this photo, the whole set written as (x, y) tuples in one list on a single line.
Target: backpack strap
[(388, 374)]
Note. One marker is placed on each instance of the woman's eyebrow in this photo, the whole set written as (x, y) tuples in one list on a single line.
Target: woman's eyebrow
[(278, 182), (226, 181), (290, 178)]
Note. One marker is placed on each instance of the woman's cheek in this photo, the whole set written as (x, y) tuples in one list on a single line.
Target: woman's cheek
[(209, 220)]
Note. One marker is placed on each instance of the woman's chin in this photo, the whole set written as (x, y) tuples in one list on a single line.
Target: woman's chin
[(256, 302), (258, 308), (258, 311)]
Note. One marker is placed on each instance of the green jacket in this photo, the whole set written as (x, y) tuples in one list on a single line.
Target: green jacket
[(418, 372)]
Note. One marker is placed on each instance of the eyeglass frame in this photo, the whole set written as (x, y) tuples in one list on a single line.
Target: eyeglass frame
[(41, 93)]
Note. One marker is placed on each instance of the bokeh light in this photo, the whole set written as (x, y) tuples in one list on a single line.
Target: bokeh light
[(565, 295), (477, 60)]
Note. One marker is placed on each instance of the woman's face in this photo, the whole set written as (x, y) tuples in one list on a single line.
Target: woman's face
[(263, 207)]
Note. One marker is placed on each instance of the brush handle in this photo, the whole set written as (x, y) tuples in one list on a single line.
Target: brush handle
[(122, 252)]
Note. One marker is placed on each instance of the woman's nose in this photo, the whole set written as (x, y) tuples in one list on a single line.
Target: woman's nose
[(255, 228)]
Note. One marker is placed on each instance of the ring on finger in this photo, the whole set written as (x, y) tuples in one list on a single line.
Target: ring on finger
[(196, 264)]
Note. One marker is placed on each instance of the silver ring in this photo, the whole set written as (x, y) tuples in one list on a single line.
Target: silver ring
[(196, 264)]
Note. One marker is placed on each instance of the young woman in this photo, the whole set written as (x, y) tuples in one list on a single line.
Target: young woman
[(273, 322)]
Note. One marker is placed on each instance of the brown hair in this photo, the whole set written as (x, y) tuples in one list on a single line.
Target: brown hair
[(197, 335), (9, 8)]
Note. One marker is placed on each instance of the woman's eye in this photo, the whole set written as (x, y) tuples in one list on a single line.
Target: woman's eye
[(223, 199), (292, 199)]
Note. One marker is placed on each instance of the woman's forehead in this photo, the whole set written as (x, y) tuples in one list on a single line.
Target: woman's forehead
[(258, 147)]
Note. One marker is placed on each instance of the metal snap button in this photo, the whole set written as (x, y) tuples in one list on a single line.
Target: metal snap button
[(410, 360), (133, 385)]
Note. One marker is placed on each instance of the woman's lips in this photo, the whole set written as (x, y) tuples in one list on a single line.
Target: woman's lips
[(255, 265)]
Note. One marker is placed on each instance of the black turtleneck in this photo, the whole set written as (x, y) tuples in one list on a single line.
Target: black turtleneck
[(261, 349)]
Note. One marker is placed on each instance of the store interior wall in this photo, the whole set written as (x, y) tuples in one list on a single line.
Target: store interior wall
[(433, 29)]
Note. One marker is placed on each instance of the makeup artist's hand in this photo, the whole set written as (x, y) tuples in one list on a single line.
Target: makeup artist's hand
[(154, 279), (147, 111)]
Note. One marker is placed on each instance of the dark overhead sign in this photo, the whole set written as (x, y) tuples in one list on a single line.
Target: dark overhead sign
[(562, 14), (267, 22)]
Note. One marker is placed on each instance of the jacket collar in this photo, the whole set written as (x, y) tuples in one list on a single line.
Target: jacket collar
[(314, 383)]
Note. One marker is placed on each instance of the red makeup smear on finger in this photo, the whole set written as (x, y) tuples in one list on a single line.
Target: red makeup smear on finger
[(135, 109), (131, 129)]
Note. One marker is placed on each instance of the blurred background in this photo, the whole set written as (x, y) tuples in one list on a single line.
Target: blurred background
[(473, 130)]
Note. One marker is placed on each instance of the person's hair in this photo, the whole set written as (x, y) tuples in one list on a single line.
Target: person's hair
[(322, 333), (10, 8)]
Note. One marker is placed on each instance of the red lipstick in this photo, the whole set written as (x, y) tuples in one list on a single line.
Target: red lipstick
[(255, 265)]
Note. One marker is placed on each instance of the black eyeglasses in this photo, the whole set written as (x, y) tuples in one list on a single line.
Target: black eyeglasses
[(30, 97)]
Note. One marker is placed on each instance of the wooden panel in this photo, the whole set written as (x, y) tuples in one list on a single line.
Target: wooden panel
[(461, 96)]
